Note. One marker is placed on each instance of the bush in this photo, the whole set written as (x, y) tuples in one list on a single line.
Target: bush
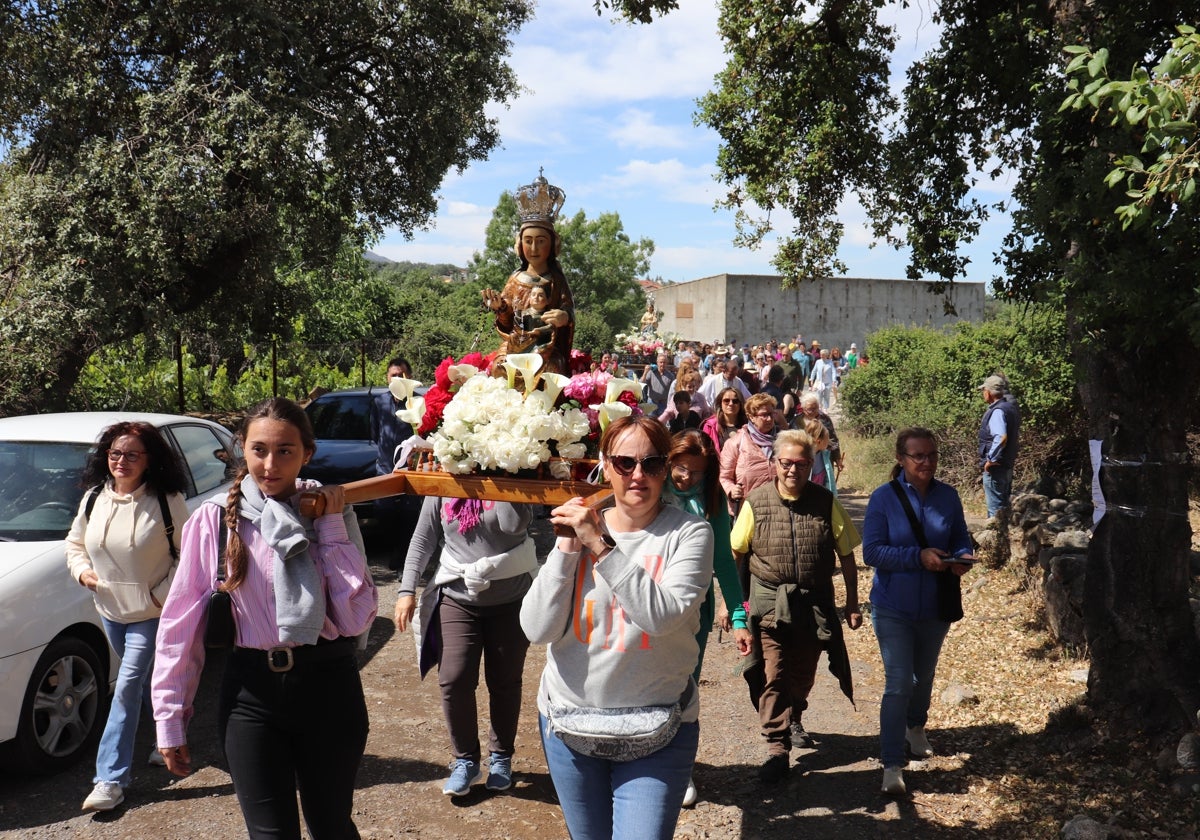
[(931, 378)]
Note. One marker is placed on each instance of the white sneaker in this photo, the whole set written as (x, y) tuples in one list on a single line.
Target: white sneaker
[(156, 759), (690, 796), (893, 781), (104, 797), (918, 744)]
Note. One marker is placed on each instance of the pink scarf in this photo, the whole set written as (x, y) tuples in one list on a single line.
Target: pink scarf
[(466, 511)]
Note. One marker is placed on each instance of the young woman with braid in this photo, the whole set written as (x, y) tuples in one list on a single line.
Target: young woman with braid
[(292, 716)]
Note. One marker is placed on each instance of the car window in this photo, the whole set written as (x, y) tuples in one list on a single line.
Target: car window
[(39, 488), (209, 459), (342, 417)]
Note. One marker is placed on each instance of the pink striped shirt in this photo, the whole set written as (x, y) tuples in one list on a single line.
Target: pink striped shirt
[(350, 606)]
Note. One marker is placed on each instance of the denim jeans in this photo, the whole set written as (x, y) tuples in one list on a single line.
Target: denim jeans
[(997, 487), (134, 644), (910, 650), (625, 800)]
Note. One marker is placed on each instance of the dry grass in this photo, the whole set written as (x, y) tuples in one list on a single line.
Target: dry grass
[(1030, 754)]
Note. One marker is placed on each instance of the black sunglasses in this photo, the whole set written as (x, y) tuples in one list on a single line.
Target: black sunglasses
[(652, 465)]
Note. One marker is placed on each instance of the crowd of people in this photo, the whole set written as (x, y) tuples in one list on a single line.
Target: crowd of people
[(734, 481)]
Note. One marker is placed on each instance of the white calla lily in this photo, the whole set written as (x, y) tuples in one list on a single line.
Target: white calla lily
[(402, 388), (610, 411), (527, 364), (414, 412), (552, 385), (617, 386), (461, 373)]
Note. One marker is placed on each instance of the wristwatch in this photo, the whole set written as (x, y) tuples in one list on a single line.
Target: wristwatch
[(607, 539)]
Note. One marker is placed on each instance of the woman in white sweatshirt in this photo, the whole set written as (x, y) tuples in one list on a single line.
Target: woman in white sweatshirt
[(124, 546), (618, 604)]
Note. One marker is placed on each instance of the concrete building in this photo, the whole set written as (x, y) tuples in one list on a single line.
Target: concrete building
[(748, 308)]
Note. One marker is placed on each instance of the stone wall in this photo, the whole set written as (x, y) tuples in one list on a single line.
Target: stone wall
[(747, 308), (1048, 538)]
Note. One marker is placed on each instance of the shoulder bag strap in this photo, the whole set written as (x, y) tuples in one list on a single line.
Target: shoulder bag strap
[(917, 527), (169, 524), (222, 541)]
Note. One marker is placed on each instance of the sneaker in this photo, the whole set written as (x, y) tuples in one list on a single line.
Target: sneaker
[(499, 772), (689, 795), (800, 737), (918, 744), (893, 781), (774, 769), (104, 797), (464, 773), (156, 759)]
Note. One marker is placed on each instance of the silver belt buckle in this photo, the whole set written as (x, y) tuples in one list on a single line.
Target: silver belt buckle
[(280, 659)]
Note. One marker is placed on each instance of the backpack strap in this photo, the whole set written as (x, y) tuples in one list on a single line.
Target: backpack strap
[(92, 495)]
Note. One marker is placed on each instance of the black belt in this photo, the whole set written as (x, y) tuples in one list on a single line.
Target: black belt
[(283, 659)]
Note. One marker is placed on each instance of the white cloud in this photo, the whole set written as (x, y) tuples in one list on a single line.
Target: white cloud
[(637, 128), (668, 180)]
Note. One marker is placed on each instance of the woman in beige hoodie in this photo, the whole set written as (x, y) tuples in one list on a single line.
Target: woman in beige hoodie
[(124, 546)]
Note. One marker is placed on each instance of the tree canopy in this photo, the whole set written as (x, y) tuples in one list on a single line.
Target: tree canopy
[(806, 114), (163, 159)]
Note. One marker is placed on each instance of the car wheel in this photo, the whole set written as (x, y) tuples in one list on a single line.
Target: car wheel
[(60, 716)]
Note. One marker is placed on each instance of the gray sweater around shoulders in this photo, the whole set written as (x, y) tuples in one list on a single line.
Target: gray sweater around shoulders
[(502, 527)]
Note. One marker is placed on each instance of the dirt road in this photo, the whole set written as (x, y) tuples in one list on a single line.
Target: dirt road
[(833, 792)]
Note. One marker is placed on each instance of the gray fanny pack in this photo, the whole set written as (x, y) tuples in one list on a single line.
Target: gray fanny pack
[(620, 734)]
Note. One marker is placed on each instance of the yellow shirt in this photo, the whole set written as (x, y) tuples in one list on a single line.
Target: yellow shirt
[(845, 535)]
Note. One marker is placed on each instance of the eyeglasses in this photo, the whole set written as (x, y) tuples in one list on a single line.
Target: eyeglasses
[(682, 472), (652, 465), (921, 457), (764, 415), (730, 402), (116, 455), (788, 465)]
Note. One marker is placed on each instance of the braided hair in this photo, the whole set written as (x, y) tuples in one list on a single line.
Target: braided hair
[(276, 408)]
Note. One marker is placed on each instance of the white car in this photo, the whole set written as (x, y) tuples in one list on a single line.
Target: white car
[(56, 666)]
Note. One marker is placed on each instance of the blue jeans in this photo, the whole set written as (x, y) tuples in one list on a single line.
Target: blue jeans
[(997, 487), (625, 800), (134, 644), (910, 650)]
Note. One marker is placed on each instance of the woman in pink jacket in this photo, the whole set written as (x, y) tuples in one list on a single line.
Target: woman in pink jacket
[(746, 458)]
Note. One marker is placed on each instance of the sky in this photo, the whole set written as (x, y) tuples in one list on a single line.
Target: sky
[(607, 112)]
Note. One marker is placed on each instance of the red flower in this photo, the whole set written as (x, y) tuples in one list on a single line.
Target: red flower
[(436, 400), (581, 362), (630, 400)]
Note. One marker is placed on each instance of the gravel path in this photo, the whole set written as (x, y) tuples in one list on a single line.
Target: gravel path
[(831, 793)]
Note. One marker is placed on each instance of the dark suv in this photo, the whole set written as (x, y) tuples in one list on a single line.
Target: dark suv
[(346, 453)]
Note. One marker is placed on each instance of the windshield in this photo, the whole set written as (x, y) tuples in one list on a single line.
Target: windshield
[(39, 488), (342, 417)]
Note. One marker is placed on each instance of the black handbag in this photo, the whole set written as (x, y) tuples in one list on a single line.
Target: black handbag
[(949, 588), (220, 631)]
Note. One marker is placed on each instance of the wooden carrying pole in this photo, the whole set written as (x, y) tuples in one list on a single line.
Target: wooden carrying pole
[(532, 491)]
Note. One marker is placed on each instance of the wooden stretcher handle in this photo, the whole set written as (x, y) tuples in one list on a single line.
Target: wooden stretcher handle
[(597, 502), (312, 504)]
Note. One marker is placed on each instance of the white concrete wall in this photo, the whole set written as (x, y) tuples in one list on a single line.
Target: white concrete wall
[(748, 308)]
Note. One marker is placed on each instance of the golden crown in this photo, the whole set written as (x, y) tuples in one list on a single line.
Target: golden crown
[(539, 201)]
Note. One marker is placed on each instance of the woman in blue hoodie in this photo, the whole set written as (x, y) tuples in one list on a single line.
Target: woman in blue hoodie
[(915, 537)]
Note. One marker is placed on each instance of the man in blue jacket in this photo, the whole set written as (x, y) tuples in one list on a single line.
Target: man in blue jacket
[(999, 439)]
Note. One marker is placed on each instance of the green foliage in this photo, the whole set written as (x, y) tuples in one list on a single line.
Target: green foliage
[(593, 334), (1157, 106), (924, 377), (163, 160)]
